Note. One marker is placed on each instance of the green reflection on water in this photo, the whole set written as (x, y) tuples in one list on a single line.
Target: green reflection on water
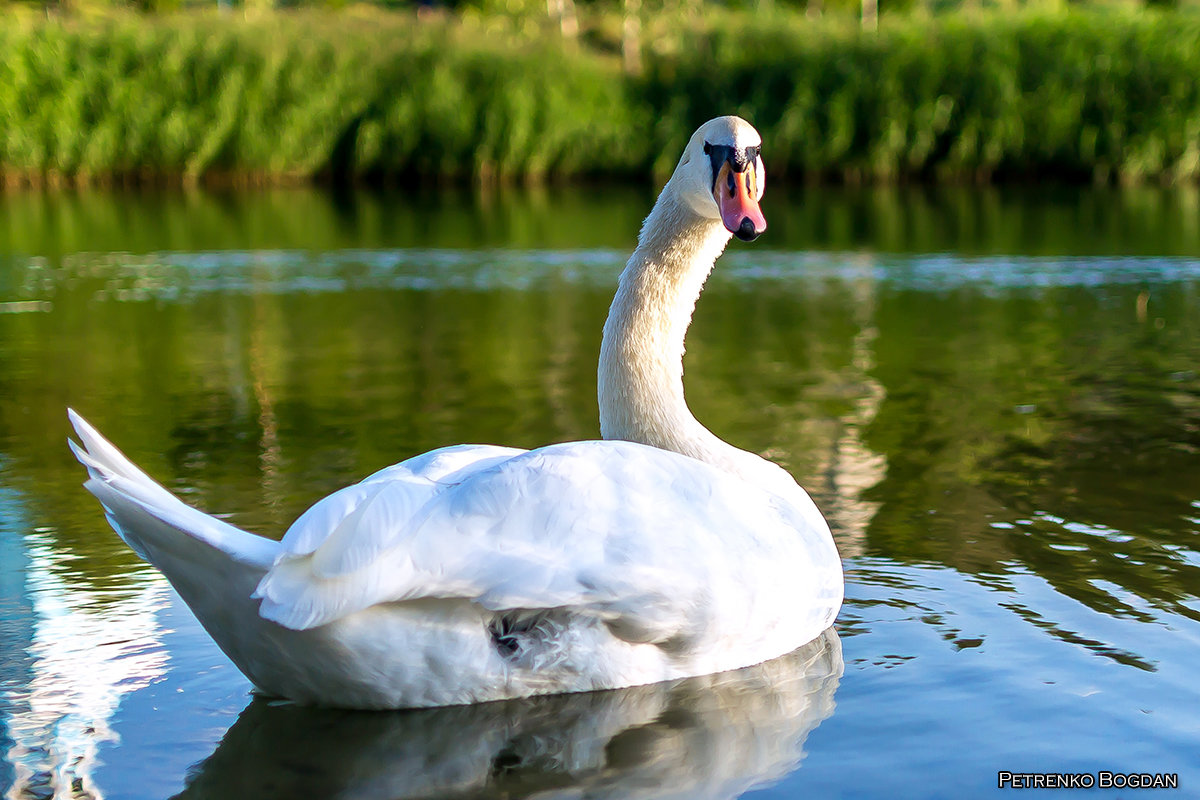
[(1034, 220), (257, 351), (1052, 428)]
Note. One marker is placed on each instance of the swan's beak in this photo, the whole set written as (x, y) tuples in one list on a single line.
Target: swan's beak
[(735, 192)]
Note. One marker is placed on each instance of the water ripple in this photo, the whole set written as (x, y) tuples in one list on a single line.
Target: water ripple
[(179, 275)]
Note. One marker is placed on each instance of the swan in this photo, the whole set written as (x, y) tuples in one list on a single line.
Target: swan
[(475, 573)]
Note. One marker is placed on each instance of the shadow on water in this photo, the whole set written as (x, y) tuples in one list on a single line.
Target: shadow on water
[(711, 737)]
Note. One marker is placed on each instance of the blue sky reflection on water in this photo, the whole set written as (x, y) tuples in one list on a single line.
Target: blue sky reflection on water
[(1006, 445), (68, 663), (181, 276)]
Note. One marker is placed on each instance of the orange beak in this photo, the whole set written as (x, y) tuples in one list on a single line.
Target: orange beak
[(735, 195)]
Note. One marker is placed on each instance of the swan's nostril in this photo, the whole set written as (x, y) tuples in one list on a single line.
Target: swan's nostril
[(746, 231)]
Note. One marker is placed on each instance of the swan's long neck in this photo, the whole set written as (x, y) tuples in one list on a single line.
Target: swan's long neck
[(641, 357)]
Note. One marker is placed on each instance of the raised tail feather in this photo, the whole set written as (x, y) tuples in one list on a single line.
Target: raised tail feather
[(131, 499), (213, 565)]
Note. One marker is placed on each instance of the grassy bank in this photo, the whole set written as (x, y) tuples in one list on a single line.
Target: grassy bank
[(294, 97), (1109, 96)]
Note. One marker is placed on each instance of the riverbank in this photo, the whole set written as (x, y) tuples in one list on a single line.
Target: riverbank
[(295, 97)]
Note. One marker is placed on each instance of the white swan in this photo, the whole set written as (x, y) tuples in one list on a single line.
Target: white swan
[(477, 573)]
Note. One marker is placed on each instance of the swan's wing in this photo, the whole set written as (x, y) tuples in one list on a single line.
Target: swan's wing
[(649, 541), (353, 524)]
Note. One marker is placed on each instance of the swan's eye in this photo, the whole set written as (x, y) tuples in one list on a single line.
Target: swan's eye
[(718, 154)]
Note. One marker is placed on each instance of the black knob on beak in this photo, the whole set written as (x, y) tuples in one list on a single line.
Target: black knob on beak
[(746, 231)]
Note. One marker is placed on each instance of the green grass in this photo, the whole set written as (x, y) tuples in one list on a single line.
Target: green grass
[(1083, 95), (296, 97)]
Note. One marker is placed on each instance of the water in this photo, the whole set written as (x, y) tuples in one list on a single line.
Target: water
[(993, 395)]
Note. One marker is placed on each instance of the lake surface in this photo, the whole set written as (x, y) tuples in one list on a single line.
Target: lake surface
[(993, 395)]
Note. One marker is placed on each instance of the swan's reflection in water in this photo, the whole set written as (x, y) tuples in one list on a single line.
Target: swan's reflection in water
[(709, 737)]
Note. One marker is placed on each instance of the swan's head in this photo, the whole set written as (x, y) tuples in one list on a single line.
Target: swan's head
[(720, 175)]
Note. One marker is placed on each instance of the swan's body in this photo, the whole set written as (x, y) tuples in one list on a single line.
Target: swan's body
[(476, 573)]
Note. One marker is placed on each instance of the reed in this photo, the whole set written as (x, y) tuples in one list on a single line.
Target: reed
[(295, 96), (1079, 95)]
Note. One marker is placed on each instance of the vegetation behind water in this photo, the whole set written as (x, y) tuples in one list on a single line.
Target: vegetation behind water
[(1084, 94)]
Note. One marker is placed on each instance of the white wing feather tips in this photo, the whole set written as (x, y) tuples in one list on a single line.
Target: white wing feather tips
[(292, 598), (425, 474), (382, 513)]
